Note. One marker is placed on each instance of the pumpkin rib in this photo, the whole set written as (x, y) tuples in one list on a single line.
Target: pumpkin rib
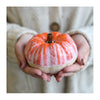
[(72, 43), (32, 56), (26, 49), (42, 57), (45, 53), (33, 45), (52, 49), (39, 57), (42, 36), (66, 49), (72, 48), (68, 46), (61, 54), (37, 39), (67, 38), (36, 55), (31, 49), (55, 53), (55, 35)]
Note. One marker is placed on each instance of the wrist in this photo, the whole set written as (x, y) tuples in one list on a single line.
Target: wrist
[(27, 36)]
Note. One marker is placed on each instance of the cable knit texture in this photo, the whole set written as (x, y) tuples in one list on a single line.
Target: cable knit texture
[(14, 31), (35, 20)]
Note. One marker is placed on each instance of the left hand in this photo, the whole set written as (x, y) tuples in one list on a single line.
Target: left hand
[(19, 50), (83, 54)]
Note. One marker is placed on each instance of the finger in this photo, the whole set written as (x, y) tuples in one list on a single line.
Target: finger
[(36, 76), (22, 61), (20, 56), (59, 78), (21, 65), (67, 74), (46, 77), (73, 68), (60, 73), (30, 70), (36, 73)]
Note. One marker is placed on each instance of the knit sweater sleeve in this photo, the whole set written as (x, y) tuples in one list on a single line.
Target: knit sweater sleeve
[(87, 32), (14, 31)]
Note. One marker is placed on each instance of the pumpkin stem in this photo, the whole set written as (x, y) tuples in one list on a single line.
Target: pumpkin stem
[(50, 37)]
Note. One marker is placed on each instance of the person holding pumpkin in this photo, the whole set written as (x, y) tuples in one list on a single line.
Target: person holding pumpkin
[(24, 22)]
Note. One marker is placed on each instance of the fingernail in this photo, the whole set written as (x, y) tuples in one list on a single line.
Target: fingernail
[(82, 61), (45, 78), (59, 79), (22, 65), (48, 80), (39, 74)]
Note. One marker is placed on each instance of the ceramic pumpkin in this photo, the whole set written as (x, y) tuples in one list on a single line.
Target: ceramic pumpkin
[(51, 52)]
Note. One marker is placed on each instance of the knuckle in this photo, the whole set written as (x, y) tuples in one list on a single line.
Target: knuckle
[(26, 70)]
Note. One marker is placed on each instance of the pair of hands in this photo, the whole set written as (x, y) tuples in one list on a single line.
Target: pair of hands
[(83, 53)]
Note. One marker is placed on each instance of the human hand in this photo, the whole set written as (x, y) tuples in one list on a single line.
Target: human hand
[(19, 50), (83, 53)]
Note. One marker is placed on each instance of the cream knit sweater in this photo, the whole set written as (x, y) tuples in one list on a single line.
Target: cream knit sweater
[(37, 20)]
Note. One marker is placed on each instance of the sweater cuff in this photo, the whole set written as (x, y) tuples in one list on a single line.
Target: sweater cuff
[(14, 31), (87, 32)]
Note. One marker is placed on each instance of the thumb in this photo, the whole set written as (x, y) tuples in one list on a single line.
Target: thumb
[(83, 48), (83, 54), (22, 59), (20, 56), (21, 63)]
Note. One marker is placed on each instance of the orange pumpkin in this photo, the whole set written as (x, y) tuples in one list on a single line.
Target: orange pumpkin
[(51, 52)]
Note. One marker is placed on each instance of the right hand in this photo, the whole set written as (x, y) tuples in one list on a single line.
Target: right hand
[(19, 50), (83, 55)]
